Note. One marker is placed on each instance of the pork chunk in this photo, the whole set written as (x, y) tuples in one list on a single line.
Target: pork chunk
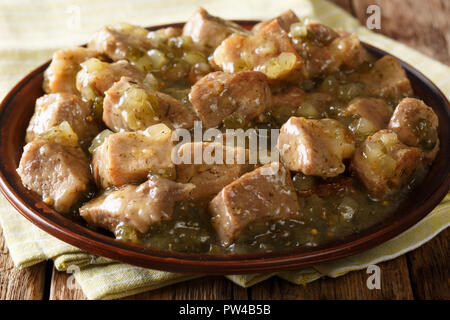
[(266, 193), (269, 51), (120, 41), (60, 76), (284, 20), (416, 125), (53, 109), (315, 147), (325, 50), (59, 173), (129, 157), (371, 115), (138, 207), (220, 94), (384, 164), (210, 178), (291, 97), (386, 79), (208, 31), (347, 52), (95, 76), (130, 106)]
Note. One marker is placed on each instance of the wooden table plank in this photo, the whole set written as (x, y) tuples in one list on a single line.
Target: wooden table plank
[(240, 293), (207, 288), (429, 267), (64, 287), (395, 284), (19, 284)]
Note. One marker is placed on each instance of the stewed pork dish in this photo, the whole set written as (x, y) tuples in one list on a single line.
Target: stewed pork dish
[(150, 136)]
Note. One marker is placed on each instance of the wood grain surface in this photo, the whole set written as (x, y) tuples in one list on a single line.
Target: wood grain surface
[(15, 283), (420, 274)]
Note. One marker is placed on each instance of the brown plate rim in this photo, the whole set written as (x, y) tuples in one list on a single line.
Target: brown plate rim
[(97, 243)]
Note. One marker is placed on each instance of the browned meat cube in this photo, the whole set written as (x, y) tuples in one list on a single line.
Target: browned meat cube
[(129, 157), (384, 164), (325, 50), (347, 51), (386, 79), (319, 34), (416, 125), (375, 110), (284, 20), (315, 147), (60, 76), (209, 179), (138, 207), (59, 173), (130, 106), (96, 76), (291, 97), (220, 94), (53, 109), (269, 51), (318, 61), (371, 115), (120, 41), (266, 193), (208, 31)]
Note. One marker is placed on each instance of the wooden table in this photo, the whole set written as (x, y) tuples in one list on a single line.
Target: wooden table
[(421, 274)]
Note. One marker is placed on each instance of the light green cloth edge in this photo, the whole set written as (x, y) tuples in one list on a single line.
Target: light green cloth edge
[(100, 278)]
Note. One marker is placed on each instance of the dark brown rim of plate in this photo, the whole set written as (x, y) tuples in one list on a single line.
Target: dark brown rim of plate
[(420, 202)]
